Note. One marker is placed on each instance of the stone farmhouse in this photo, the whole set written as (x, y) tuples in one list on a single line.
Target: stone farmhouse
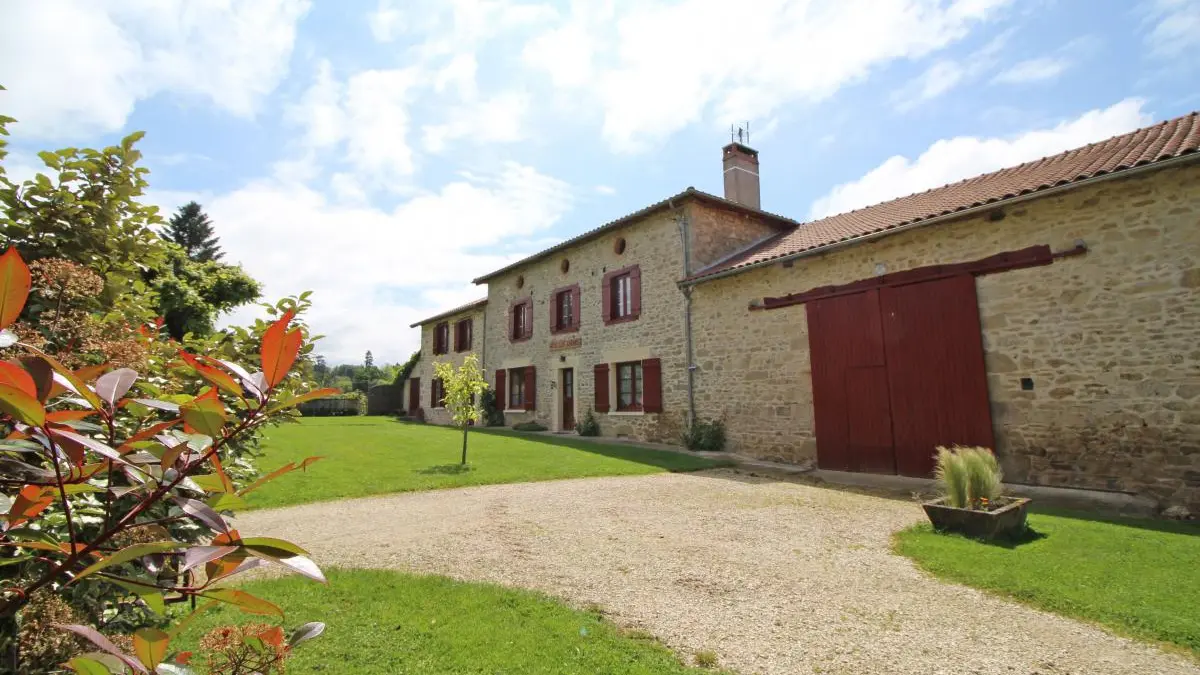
[(1050, 311)]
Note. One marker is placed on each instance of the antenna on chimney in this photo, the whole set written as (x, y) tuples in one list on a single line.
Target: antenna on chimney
[(740, 133)]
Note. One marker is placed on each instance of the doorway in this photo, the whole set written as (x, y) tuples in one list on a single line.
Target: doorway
[(568, 399), (897, 371)]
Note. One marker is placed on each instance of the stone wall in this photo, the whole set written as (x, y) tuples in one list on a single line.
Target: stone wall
[(717, 232), (424, 367), (655, 245), (1111, 339)]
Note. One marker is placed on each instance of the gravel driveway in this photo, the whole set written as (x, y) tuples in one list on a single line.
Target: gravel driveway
[(775, 577)]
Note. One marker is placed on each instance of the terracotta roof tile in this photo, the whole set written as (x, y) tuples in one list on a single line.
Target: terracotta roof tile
[(1162, 141), (451, 312)]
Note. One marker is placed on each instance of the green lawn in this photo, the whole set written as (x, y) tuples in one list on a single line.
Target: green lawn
[(1138, 578), (377, 455), (389, 623)]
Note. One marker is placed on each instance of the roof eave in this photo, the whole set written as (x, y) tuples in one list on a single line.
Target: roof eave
[(665, 205), (448, 313), (965, 213)]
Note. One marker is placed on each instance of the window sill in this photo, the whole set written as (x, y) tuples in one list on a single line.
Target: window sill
[(623, 319), (521, 339), (628, 413), (514, 411), (560, 331)]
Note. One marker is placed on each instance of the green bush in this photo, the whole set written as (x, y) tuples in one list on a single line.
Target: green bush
[(970, 477), (493, 416), (705, 435), (529, 426), (589, 425)]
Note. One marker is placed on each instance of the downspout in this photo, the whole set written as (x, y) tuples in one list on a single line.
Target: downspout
[(685, 238)]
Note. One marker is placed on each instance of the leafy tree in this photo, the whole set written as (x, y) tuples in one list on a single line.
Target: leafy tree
[(407, 368), (369, 360), (191, 229), (321, 369), (464, 385), (192, 294)]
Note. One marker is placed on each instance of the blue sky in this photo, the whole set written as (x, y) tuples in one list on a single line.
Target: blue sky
[(382, 153)]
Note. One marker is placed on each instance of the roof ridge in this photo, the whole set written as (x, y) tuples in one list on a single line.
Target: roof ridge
[(1165, 140)]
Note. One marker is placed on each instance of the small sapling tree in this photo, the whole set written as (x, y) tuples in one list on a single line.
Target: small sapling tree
[(463, 386)]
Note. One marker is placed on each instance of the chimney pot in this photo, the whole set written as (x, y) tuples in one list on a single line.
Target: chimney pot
[(740, 163)]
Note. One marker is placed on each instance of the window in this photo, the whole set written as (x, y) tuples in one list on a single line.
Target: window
[(437, 393), (564, 316), (462, 335), (622, 296), (622, 291), (629, 386), (516, 388), (441, 338), (522, 320)]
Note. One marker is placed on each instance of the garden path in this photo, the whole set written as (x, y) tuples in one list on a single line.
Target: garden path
[(775, 577)]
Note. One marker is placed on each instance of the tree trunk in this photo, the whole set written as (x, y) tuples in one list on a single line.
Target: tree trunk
[(464, 457)]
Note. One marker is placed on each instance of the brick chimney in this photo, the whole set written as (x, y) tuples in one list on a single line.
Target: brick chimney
[(741, 174)]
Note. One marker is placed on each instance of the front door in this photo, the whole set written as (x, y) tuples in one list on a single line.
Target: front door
[(414, 395), (568, 399)]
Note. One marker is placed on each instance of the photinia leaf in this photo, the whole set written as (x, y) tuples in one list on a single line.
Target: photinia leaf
[(209, 482), (299, 563), (306, 632), (203, 513), (205, 414), (21, 406), (89, 443), (200, 555), (227, 501), (30, 501), (297, 400), (271, 542), (89, 666), (152, 598), (15, 282), (70, 381), (148, 433), (286, 468), (113, 385), (248, 381), (150, 646), (61, 416), (279, 349), (244, 601), (127, 554), (42, 374), (16, 376), (160, 405), (96, 638), (213, 375)]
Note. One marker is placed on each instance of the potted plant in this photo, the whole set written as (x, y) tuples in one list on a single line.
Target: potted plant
[(973, 503)]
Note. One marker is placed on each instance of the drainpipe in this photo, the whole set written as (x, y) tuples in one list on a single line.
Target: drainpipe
[(685, 238)]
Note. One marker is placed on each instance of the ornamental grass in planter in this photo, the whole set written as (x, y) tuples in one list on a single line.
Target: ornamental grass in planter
[(973, 503)]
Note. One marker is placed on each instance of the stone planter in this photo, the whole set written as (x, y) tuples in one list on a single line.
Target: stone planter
[(1008, 521)]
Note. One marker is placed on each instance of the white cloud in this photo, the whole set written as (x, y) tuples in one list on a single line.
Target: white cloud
[(1041, 69), (954, 159), (938, 79), (660, 67), (75, 67), (373, 272), (496, 120), (1176, 27), (606, 190)]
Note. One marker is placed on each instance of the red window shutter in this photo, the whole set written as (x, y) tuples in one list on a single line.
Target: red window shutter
[(501, 390), (600, 372), (606, 298), (651, 386), (555, 309), (530, 388), (575, 308), (635, 281), (433, 393), (470, 334)]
